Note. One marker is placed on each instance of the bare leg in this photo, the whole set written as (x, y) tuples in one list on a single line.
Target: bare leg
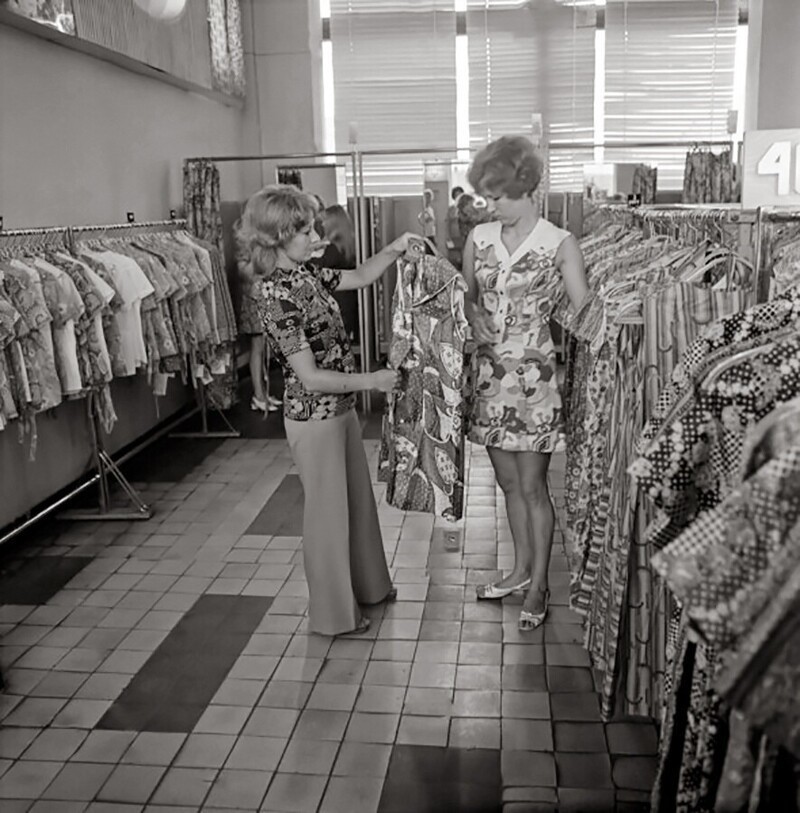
[(508, 478), (257, 366), (532, 470)]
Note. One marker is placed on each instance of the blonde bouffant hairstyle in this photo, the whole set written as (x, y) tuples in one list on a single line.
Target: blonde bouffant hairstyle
[(271, 218), (510, 166)]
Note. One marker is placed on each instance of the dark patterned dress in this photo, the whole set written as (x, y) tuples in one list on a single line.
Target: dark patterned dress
[(517, 406), (422, 442), (298, 311)]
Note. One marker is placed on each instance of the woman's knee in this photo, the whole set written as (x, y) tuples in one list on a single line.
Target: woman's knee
[(536, 492), (509, 483)]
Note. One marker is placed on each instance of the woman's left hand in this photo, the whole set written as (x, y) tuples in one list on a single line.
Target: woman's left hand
[(401, 244)]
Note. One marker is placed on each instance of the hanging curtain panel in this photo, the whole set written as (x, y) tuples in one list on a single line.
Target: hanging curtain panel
[(669, 77), (395, 81), (527, 58)]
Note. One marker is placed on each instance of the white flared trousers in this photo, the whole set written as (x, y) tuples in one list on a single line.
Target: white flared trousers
[(342, 544)]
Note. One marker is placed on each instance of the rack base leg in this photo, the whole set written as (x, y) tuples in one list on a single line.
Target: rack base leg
[(141, 510), (230, 432)]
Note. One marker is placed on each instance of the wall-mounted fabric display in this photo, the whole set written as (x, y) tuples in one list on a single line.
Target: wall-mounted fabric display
[(422, 444), (709, 177), (645, 181), (290, 175), (74, 317), (781, 253), (201, 202), (227, 50)]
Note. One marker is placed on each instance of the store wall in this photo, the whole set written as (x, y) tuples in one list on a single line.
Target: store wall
[(773, 65), (83, 141)]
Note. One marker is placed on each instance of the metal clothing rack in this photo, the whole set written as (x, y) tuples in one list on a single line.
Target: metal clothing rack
[(132, 228), (365, 359), (14, 240), (765, 217), (698, 215)]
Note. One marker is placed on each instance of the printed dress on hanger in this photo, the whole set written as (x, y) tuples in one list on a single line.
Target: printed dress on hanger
[(422, 448)]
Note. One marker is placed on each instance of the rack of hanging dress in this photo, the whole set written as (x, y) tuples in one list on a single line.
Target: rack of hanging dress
[(719, 466), (661, 281), (82, 305), (656, 276)]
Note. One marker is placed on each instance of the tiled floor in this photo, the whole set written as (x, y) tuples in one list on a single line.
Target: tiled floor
[(165, 665)]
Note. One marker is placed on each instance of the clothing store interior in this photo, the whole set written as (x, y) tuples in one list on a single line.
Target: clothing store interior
[(399, 406)]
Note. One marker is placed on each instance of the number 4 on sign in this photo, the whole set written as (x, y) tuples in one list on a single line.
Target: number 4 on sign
[(777, 160)]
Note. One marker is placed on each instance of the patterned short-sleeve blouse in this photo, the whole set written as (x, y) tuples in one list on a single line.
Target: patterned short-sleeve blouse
[(299, 311)]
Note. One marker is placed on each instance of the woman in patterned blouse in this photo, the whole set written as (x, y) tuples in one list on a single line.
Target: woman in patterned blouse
[(343, 552)]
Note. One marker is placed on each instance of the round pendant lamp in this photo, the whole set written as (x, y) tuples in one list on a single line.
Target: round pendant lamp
[(165, 11)]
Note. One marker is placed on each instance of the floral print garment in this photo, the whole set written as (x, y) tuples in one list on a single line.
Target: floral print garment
[(517, 405), (694, 463), (299, 312), (24, 288), (422, 443), (714, 343)]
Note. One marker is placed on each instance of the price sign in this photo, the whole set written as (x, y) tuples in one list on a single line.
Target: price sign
[(771, 170)]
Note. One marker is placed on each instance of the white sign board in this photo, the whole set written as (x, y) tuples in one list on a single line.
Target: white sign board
[(771, 168)]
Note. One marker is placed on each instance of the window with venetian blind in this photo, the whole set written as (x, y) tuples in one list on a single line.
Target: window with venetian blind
[(534, 57), (669, 73), (394, 74)]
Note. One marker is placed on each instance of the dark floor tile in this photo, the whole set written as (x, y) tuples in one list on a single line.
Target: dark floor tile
[(524, 677), (421, 797), (635, 773), (584, 771), (569, 679), (578, 800), (37, 580), (283, 513), (632, 738), (402, 797), (173, 688), (575, 706), (581, 737), (477, 766), (172, 459), (416, 763)]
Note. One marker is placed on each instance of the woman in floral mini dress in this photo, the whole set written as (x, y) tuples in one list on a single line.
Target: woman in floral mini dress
[(514, 267)]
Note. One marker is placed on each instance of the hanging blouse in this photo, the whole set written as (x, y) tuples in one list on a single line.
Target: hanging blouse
[(133, 286), (25, 291), (422, 443), (9, 317), (66, 307), (739, 330), (696, 460)]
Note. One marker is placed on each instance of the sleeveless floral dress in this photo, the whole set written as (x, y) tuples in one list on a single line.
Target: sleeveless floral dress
[(516, 403)]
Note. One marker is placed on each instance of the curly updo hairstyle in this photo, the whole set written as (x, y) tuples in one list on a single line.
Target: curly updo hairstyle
[(271, 218), (509, 166)]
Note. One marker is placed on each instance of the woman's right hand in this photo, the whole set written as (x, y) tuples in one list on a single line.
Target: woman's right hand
[(483, 328), (384, 380)]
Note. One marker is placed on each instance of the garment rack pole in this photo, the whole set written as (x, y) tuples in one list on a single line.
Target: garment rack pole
[(563, 145), (202, 405), (363, 341)]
